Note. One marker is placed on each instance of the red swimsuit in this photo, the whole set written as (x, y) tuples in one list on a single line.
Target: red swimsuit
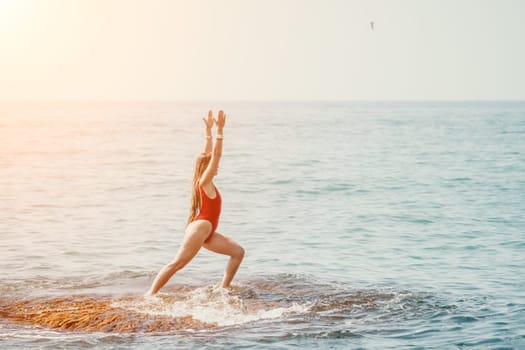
[(210, 208)]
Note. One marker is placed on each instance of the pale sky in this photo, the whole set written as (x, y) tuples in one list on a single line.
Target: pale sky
[(262, 50)]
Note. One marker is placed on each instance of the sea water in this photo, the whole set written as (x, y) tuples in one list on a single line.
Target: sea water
[(366, 225)]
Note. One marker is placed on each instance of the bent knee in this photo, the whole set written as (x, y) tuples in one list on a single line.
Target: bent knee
[(239, 253)]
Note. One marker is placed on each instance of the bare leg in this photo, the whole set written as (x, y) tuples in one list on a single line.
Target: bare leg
[(196, 234), (222, 244)]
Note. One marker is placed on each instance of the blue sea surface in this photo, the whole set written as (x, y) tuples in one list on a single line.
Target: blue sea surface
[(374, 225)]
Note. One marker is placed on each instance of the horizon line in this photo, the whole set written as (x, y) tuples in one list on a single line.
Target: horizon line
[(246, 100)]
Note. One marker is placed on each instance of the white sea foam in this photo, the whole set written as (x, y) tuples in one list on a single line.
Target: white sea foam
[(213, 305)]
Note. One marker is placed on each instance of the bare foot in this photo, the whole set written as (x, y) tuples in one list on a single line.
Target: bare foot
[(148, 294)]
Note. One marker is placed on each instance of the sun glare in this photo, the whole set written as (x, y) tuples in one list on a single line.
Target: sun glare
[(11, 12)]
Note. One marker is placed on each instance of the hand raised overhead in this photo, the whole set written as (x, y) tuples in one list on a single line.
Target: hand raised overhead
[(220, 121), (209, 120)]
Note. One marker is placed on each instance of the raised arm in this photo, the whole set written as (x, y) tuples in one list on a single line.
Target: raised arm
[(209, 124), (213, 166)]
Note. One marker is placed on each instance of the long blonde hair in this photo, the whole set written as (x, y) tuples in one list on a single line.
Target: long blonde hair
[(200, 165)]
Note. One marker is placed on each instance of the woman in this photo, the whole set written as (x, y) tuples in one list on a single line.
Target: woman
[(204, 214)]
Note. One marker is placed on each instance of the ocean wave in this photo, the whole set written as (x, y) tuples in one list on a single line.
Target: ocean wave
[(211, 305), (280, 299)]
